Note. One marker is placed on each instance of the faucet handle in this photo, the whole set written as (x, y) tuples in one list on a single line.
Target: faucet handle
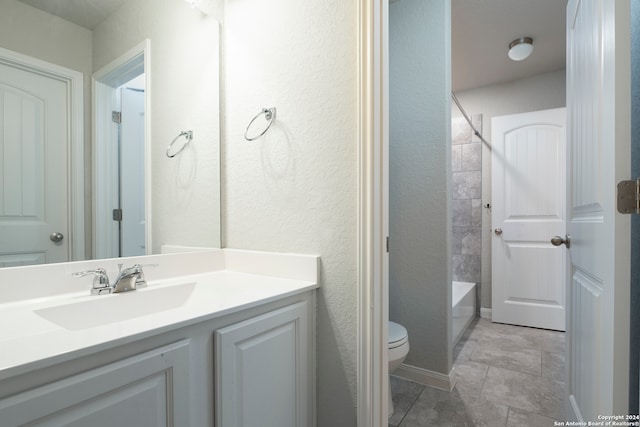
[(141, 282), (100, 280)]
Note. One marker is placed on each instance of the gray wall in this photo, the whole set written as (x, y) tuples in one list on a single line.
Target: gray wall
[(420, 179), (540, 92)]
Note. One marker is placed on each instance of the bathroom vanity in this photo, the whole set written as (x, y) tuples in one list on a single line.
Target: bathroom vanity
[(221, 337)]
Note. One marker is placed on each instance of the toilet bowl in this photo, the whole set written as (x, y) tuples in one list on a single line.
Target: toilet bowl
[(398, 349)]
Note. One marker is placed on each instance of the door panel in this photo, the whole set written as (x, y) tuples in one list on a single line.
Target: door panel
[(23, 156), (132, 173), (598, 114), (536, 267), (528, 186), (33, 167)]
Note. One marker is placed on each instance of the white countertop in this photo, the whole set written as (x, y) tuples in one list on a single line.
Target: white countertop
[(237, 280)]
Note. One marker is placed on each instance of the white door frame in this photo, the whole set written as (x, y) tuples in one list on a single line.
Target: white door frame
[(131, 157), (104, 84), (373, 223), (75, 149)]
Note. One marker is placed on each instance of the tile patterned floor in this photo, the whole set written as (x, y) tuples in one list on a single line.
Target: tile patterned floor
[(507, 376)]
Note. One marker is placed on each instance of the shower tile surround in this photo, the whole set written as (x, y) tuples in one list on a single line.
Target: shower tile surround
[(466, 158)]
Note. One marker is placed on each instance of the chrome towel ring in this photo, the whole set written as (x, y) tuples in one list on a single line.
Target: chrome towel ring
[(189, 136), (269, 115)]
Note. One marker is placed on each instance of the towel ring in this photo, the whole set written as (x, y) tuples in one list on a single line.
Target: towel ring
[(186, 133), (269, 115)]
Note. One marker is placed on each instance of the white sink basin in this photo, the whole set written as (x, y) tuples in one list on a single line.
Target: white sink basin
[(104, 309)]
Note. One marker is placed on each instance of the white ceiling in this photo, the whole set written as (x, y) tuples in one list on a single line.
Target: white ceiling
[(86, 13), (481, 33)]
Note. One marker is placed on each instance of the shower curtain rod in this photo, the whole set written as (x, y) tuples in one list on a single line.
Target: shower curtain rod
[(464, 113)]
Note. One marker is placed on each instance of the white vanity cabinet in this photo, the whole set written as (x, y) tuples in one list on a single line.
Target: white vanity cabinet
[(264, 370), (146, 390), (249, 367)]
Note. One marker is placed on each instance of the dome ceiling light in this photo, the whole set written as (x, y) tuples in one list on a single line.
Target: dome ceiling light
[(521, 48)]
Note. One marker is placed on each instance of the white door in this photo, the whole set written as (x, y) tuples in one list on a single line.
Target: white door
[(598, 133), (132, 227), (528, 193), (33, 168)]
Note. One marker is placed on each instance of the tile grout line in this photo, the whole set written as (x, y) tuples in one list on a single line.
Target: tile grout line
[(411, 406), (484, 380), (506, 420), (540, 353)]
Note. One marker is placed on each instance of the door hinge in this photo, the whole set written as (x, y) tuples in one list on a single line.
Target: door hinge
[(116, 117), (117, 214), (629, 196), (387, 243)]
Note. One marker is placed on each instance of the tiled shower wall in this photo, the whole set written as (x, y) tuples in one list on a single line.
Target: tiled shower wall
[(466, 158)]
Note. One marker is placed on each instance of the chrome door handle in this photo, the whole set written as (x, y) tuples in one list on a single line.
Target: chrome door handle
[(498, 231), (56, 237), (557, 241)]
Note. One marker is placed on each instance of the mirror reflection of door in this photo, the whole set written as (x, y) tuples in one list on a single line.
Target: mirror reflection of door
[(34, 140), (131, 168), (120, 216)]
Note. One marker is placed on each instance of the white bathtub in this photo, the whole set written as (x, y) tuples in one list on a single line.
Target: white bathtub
[(463, 300)]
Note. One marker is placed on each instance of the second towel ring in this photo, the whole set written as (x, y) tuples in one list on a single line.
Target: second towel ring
[(269, 115), (186, 133)]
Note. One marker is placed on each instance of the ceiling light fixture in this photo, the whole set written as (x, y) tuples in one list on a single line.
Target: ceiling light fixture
[(521, 48)]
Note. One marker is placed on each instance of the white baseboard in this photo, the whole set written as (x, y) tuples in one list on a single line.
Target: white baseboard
[(427, 377), (485, 313)]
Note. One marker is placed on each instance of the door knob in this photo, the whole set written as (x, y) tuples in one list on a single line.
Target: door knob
[(56, 237), (557, 241), (498, 231)]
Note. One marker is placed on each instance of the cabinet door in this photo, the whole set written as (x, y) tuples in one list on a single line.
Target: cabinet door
[(263, 370), (148, 390)]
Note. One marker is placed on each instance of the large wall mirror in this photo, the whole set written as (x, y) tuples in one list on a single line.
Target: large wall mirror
[(91, 95)]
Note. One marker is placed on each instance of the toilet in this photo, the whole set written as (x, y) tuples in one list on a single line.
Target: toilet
[(398, 349)]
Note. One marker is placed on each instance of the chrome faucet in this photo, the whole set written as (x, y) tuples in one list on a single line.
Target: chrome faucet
[(128, 279), (100, 280)]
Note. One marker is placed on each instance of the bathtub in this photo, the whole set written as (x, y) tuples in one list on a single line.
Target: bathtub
[(463, 300)]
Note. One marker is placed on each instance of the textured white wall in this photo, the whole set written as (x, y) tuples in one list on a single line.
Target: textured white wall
[(420, 178), (33, 32), (295, 189), (540, 92), (184, 96)]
